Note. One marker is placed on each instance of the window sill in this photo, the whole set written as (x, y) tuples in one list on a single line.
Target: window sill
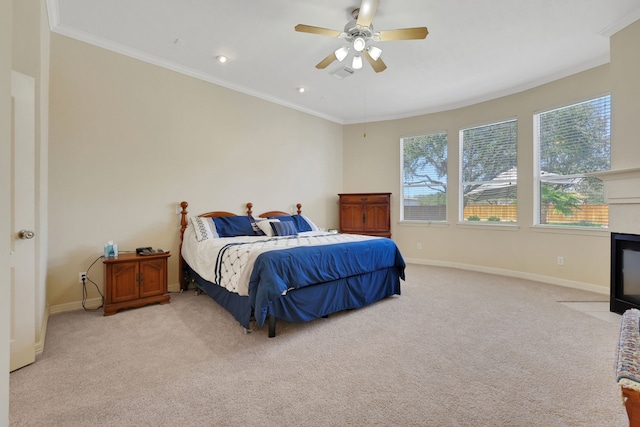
[(423, 224), (485, 226), (580, 231)]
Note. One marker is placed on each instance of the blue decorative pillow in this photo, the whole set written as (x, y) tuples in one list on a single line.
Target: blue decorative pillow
[(312, 224), (288, 218), (254, 224), (284, 228), (301, 223), (232, 226)]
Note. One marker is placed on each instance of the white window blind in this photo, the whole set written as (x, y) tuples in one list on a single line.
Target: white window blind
[(572, 141), (424, 177), (489, 172)]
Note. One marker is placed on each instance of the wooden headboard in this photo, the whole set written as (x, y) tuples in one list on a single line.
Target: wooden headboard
[(214, 214), (280, 213)]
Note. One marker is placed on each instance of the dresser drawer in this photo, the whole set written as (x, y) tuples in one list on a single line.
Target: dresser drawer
[(360, 198)]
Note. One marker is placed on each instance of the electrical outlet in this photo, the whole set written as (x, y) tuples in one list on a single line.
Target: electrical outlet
[(82, 277), (560, 260), (419, 246)]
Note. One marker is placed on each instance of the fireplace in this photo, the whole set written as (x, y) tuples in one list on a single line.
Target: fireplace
[(625, 272)]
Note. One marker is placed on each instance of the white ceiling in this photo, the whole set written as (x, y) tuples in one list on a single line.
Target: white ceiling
[(476, 49)]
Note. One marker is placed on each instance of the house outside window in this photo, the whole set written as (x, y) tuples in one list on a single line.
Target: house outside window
[(424, 177), (489, 174), (571, 142)]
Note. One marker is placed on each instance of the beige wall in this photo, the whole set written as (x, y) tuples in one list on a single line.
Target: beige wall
[(372, 163), (624, 190), (625, 87), (129, 141)]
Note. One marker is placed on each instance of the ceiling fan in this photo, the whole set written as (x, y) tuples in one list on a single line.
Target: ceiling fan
[(359, 34)]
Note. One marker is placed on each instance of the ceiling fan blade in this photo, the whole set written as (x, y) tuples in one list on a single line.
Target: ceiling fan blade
[(317, 30), (402, 34), (378, 66), (326, 61), (367, 12)]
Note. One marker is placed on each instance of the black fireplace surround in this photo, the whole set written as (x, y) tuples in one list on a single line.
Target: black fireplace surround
[(625, 272)]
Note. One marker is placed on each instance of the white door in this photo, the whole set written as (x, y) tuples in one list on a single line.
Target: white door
[(22, 334)]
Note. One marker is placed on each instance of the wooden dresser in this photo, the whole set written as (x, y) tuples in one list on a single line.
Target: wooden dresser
[(366, 213), (134, 280)]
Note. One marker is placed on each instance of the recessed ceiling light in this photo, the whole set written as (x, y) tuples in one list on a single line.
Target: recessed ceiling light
[(221, 59), (300, 89)]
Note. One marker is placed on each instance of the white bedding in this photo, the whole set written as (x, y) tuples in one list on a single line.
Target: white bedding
[(238, 261)]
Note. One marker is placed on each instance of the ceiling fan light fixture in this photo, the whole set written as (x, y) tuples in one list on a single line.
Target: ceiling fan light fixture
[(359, 44), (342, 53), (374, 52), (357, 62)]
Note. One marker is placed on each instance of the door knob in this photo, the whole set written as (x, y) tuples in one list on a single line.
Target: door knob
[(26, 234)]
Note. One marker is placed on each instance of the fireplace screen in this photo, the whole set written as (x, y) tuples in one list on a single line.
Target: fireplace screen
[(625, 272)]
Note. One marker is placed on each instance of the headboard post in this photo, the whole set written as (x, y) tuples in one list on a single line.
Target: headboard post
[(249, 206), (183, 218), (183, 226), (299, 206)]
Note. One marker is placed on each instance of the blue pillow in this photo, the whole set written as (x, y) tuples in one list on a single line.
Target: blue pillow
[(232, 226), (301, 223), (254, 225), (284, 228)]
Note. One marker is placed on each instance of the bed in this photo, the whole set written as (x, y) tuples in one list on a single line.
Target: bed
[(279, 265)]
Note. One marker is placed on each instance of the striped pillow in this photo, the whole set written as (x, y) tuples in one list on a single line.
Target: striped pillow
[(284, 228)]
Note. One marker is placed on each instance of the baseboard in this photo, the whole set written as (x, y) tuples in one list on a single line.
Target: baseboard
[(39, 347), (91, 304), (511, 273), (94, 303)]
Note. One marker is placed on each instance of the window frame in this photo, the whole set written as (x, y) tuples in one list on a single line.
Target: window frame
[(403, 219), (461, 182), (537, 172)]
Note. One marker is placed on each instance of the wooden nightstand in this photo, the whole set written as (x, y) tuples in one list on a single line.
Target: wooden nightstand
[(133, 281)]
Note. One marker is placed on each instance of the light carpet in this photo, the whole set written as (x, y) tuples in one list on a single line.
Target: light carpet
[(457, 348)]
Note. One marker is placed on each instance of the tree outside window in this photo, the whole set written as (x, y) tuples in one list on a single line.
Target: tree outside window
[(572, 142), (489, 155), (424, 177)]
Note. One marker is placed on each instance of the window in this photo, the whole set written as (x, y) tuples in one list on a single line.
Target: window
[(424, 177), (489, 182), (573, 141)]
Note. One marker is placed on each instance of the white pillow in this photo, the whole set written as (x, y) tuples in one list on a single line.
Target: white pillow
[(265, 225), (204, 227)]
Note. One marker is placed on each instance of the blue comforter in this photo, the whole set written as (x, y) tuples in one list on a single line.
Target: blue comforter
[(277, 272)]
